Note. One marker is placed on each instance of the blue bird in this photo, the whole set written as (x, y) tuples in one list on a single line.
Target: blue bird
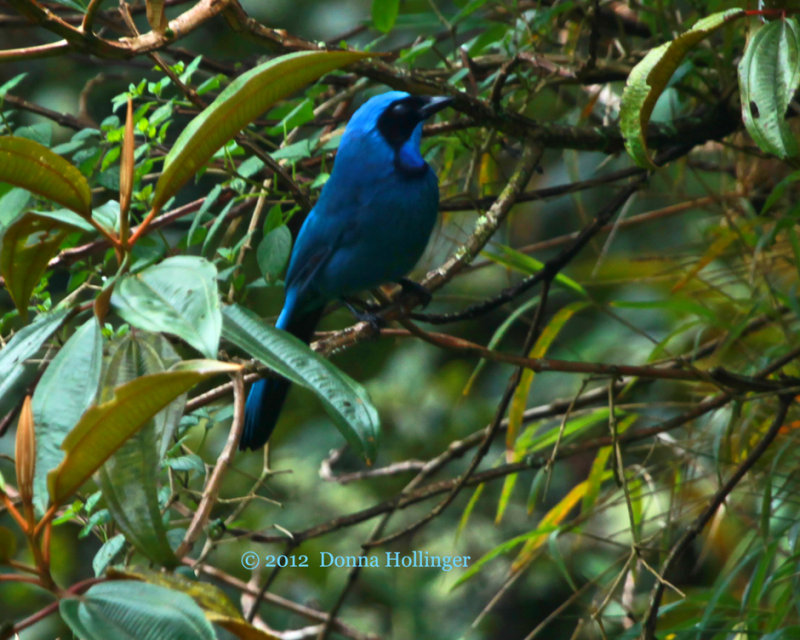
[(370, 226)]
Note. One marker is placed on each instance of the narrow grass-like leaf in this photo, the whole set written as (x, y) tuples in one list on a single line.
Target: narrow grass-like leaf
[(177, 296), (104, 427), (519, 401), (650, 77), (769, 74), (34, 167), (346, 401), (596, 473), (716, 249), (549, 523), (497, 336), (242, 101), (529, 442), (473, 500), (526, 264)]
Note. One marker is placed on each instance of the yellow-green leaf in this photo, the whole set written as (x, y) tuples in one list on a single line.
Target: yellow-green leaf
[(550, 523), (650, 77), (242, 101), (104, 427), (34, 167), (520, 400)]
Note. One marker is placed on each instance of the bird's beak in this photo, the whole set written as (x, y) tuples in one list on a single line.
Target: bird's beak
[(434, 105)]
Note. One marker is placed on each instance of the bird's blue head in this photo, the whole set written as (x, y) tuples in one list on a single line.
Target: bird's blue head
[(390, 124)]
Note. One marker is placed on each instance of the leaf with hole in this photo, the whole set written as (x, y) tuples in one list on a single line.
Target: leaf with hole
[(769, 74)]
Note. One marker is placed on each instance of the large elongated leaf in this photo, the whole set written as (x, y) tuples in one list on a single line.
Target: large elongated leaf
[(129, 478), (34, 167), (177, 296), (519, 401), (67, 388), (242, 101), (650, 77), (104, 427), (346, 401), (15, 372), (215, 604), (769, 74), (133, 609), (25, 250)]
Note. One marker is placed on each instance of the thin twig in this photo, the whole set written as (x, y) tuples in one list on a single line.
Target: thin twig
[(223, 461), (651, 617)]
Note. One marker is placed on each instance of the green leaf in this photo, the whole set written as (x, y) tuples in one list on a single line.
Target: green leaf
[(104, 427), (106, 553), (346, 401), (497, 336), (8, 544), (25, 251), (34, 167), (650, 77), (12, 205), (15, 372), (67, 388), (133, 609), (384, 14), (769, 74), (526, 264), (210, 597), (242, 101), (273, 252), (177, 296), (129, 478), (473, 500)]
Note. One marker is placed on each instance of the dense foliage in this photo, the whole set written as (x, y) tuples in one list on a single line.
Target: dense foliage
[(596, 407)]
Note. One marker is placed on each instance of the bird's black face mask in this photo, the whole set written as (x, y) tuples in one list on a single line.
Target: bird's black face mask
[(398, 121)]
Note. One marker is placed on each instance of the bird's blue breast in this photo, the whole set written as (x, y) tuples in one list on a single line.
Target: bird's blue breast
[(378, 216)]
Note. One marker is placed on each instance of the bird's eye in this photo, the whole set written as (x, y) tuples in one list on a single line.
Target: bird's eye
[(399, 109)]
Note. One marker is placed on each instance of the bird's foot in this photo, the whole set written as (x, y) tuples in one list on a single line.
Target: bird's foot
[(415, 288), (366, 315)]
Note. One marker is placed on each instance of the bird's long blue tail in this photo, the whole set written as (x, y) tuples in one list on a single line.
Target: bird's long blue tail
[(267, 396)]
